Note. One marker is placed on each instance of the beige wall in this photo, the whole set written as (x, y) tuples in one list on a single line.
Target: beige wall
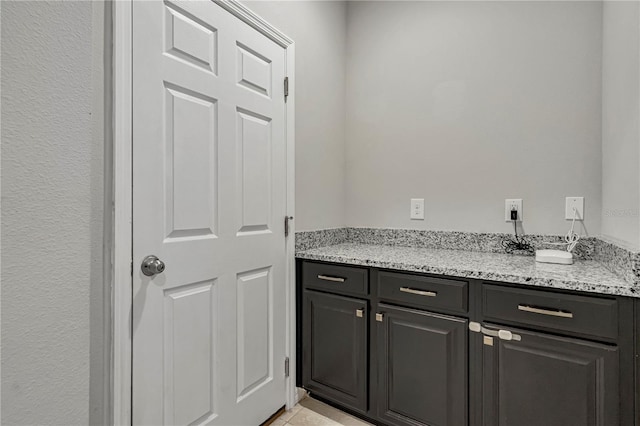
[(620, 123), (468, 103), (319, 31), (53, 330)]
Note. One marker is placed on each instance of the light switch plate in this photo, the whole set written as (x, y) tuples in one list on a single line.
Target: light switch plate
[(570, 204), (417, 209), (510, 204)]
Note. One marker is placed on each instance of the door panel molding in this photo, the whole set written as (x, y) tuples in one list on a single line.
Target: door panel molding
[(122, 247)]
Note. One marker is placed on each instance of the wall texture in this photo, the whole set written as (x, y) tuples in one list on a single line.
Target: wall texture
[(468, 103), (54, 318), (621, 123), (463, 104), (52, 212), (319, 31)]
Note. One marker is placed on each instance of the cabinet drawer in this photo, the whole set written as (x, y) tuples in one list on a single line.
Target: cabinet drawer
[(335, 278), (589, 316), (423, 292)]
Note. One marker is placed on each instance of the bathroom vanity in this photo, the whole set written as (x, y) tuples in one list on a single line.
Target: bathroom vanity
[(463, 338)]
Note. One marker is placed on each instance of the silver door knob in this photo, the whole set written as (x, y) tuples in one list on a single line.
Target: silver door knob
[(151, 266)]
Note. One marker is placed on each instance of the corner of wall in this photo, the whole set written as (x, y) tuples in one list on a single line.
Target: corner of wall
[(620, 185)]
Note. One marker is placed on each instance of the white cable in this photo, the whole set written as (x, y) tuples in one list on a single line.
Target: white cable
[(571, 239)]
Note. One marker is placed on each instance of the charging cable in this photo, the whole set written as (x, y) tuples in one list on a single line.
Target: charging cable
[(520, 243), (571, 239)]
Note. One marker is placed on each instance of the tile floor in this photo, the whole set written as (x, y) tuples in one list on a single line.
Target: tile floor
[(311, 412)]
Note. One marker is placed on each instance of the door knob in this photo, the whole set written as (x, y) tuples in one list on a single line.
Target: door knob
[(151, 266)]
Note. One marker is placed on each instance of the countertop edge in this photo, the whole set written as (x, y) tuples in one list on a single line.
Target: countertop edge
[(479, 275)]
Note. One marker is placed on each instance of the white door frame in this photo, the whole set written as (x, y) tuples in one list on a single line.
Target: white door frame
[(122, 301)]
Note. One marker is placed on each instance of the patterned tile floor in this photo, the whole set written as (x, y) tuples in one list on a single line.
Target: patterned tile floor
[(311, 412)]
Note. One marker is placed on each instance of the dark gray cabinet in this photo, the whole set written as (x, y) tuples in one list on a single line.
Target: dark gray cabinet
[(335, 343), (636, 345), (548, 380), (591, 317), (423, 292), (408, 349), (422, 367)]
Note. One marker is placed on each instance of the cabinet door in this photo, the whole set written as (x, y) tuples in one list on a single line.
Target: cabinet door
[(548, 380), (335, 348), (422, 368)]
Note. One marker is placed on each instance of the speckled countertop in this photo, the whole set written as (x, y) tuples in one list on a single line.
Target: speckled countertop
[(583, 275)]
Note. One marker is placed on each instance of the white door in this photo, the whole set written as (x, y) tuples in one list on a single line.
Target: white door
[(209, 201)]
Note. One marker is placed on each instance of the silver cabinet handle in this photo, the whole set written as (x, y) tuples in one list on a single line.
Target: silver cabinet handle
[(359, 313), (418, 292), (330, 278), (553, 313), (379, 317)]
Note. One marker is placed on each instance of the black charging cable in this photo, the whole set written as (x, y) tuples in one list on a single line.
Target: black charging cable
[(518, 243)]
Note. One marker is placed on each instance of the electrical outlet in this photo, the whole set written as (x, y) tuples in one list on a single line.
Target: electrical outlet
[(417, 208), (511, 204), (570, 204)]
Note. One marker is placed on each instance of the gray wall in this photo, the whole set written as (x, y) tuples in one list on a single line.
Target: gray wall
[(52, 212), (319, 31), (54, 318), (620, 123), (468, 103), (429, 116)]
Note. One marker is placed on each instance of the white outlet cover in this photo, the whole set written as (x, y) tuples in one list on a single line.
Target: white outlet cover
[(417, 209), (509, 204), (570, 204)]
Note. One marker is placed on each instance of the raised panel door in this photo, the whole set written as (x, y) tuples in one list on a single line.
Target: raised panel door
[(422, 367)]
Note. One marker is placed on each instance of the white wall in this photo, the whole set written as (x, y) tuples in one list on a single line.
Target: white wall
[(319, 31), (52, 213), (468, 103), (620, 123)]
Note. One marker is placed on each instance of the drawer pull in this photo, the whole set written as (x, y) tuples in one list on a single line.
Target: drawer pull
[(553, 313), (418, 292), (379, 317), (330, 278), (359, 313)]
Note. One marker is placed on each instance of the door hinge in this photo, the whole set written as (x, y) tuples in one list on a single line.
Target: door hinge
[(286, 88), (286, 367), (286, 225)]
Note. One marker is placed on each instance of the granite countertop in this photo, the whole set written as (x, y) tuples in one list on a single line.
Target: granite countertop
[(583, 275)]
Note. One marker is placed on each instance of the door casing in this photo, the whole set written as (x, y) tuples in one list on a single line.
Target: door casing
[(122, 247)]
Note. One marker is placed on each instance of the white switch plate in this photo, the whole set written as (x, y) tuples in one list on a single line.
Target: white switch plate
[(510, 204), (570, 204), (417, 208)]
